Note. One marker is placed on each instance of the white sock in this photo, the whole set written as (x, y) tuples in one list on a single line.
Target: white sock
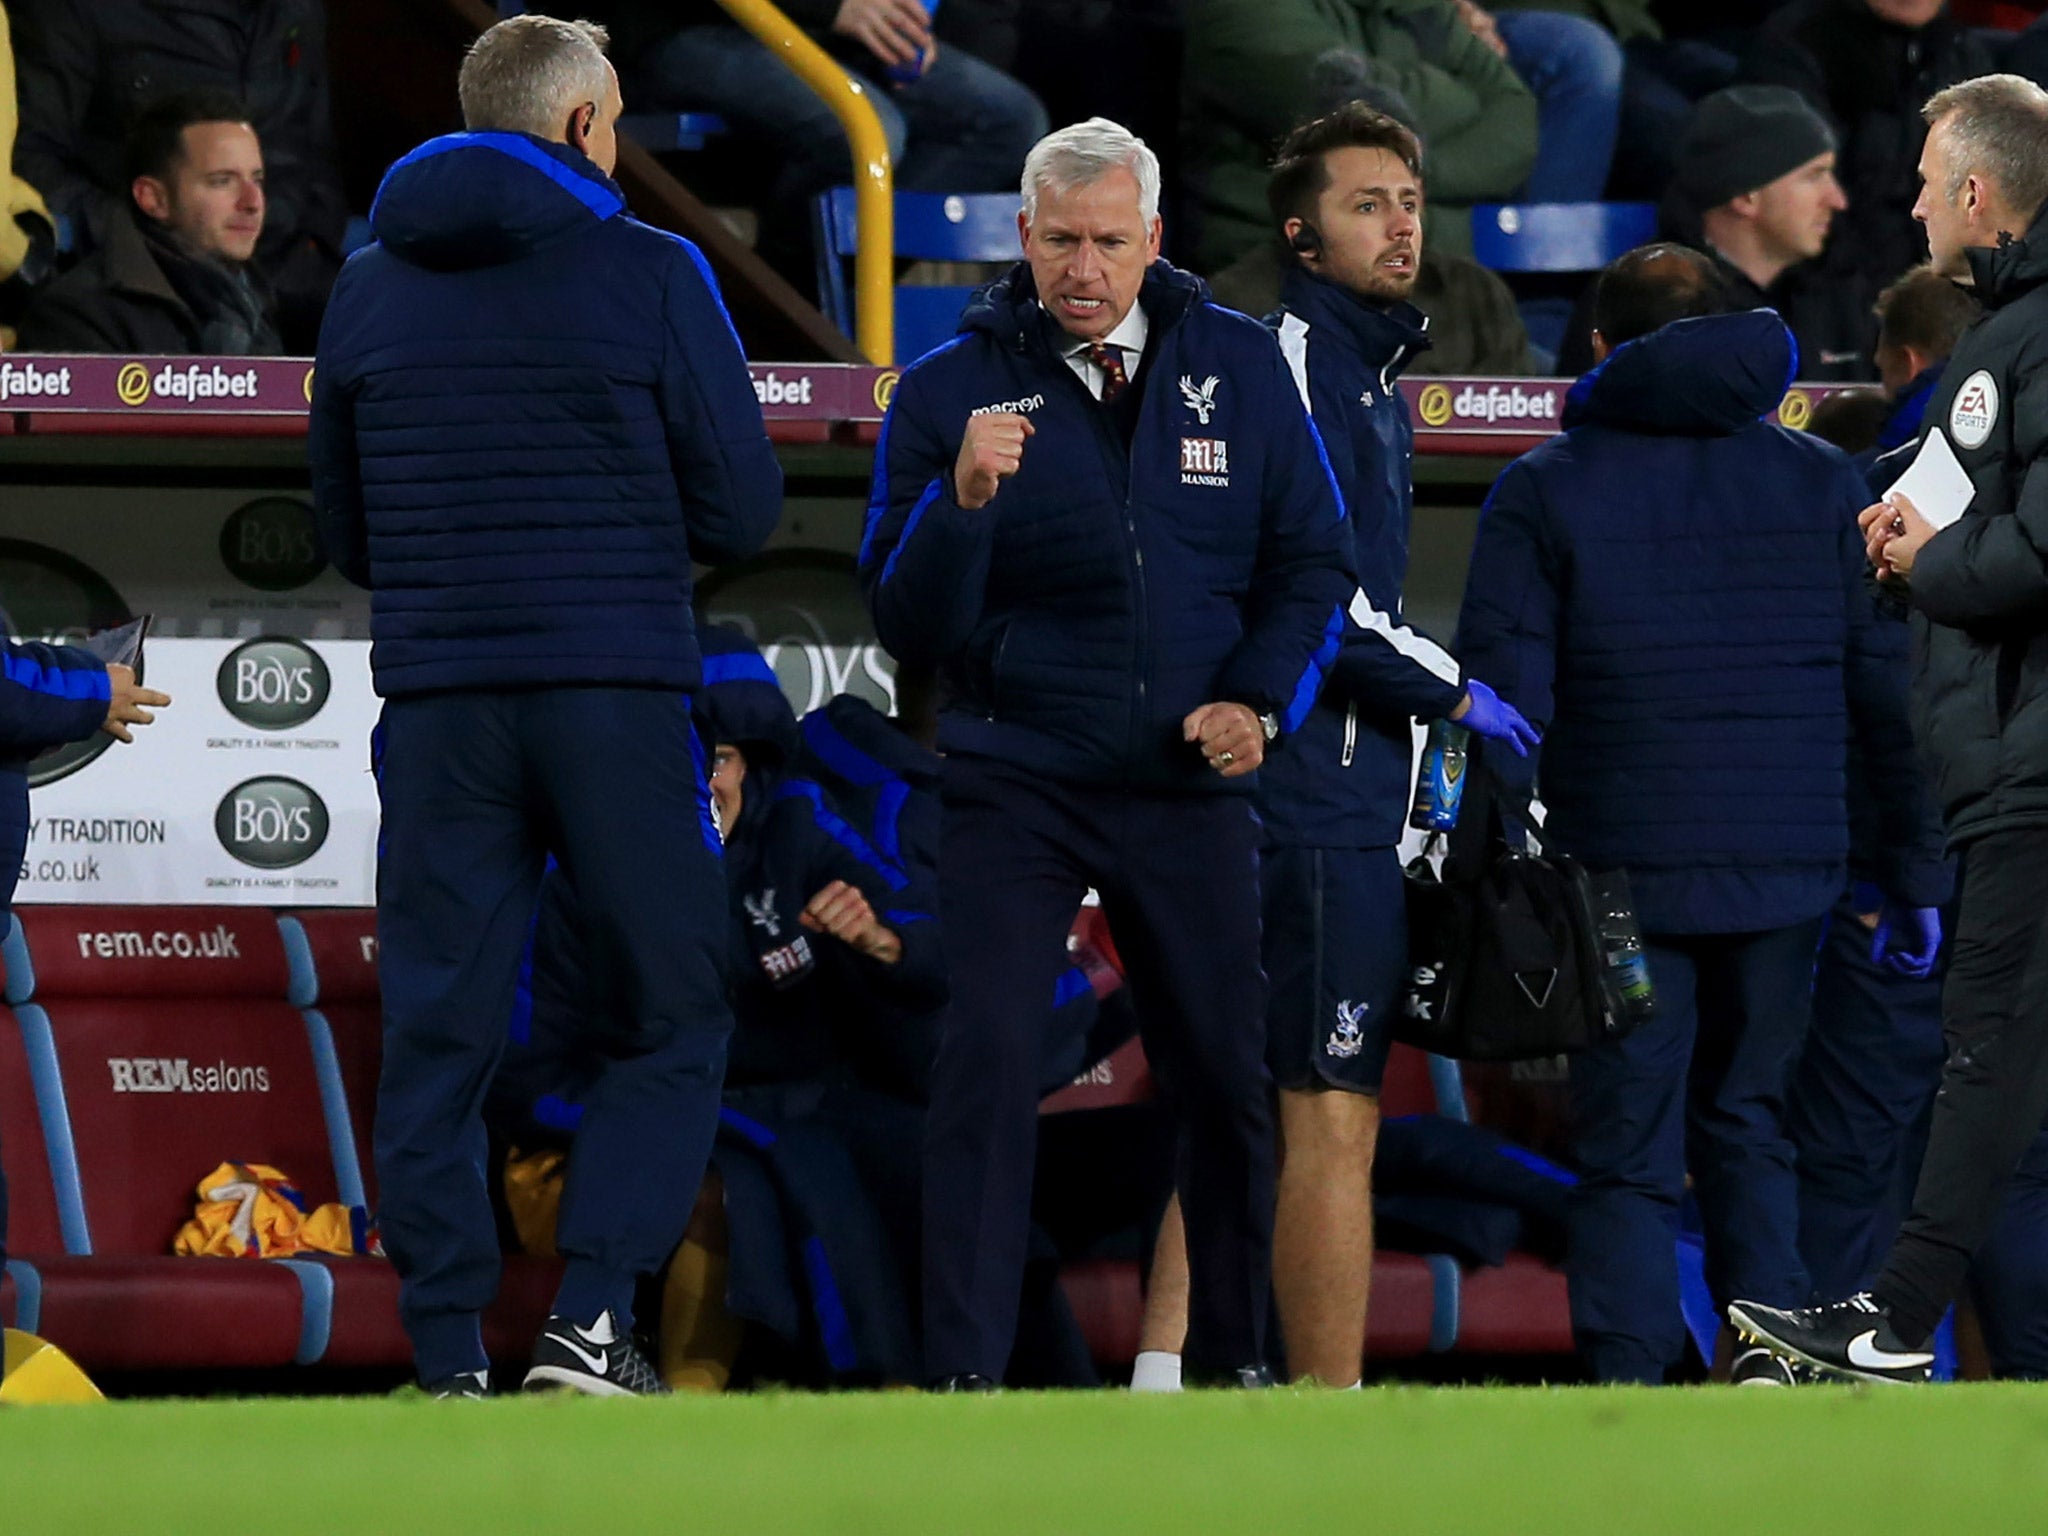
[(1157, 1370)]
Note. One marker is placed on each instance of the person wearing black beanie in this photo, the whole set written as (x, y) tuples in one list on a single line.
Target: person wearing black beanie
[(1754, 187), (1868, 66)]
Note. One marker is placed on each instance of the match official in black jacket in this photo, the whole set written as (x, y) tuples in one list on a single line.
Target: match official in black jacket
[(1978, 588)]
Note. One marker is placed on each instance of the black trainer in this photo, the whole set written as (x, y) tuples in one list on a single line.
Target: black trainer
[(964, 1381), (1852, 1339), (600, 1360), (464, 1384)]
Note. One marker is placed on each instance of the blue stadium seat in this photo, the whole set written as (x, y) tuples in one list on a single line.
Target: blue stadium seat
[(1558, 237), (930, 226)]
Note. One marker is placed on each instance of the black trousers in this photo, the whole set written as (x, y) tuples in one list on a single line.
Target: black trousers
[(1994, 1086), (1179, 882), (478, 789)]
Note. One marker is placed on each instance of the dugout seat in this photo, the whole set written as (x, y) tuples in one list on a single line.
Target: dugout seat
[(335, 950), (1521, 1307), (157, 1043)]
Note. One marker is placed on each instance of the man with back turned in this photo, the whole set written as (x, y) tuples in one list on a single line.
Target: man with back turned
[(531, 415)]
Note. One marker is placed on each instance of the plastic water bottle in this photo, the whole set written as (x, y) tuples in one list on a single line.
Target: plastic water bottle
[(911, 73), (1440, 785), (1625, 972)]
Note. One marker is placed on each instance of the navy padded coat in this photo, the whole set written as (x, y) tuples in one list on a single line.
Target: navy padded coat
[(1109, 589), (530, 415), (1674, 590)]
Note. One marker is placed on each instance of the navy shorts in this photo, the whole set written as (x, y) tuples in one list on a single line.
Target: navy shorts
[(1336, 951)]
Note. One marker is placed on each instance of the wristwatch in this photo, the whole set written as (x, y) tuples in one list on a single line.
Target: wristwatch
[(1270, 724)]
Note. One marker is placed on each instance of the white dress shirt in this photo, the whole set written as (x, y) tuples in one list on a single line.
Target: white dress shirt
[(1129, 334)]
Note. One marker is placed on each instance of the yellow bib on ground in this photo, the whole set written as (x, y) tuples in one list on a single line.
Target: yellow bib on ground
[(37, 1372)]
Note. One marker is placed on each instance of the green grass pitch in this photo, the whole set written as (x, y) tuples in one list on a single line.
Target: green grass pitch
[(1508, 1462)]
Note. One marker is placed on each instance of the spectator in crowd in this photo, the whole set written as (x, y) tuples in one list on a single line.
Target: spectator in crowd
[(1756, 190), (1868, 65), (1976, 588), (1252, 67), (28, 239), (1122, 640), (1574, 68), (1346, 197), (87, 71), (954, 123), (530, 566), (1696, 697), (50, 695), (1474, 327), (175, 275), (1920, 319), (1661, 78)]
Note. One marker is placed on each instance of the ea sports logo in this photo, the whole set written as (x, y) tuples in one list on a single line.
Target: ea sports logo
[(273, 684), (1975, 412), (271, 823), (132, 384)]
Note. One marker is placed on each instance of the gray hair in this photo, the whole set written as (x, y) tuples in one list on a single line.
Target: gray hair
[(528, 73), (1086, 152), (1997, 129)]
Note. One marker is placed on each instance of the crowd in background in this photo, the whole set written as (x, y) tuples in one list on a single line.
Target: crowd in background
[(176, 185)]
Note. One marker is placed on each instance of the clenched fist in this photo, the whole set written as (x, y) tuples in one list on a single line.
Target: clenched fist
[(840, 910), (991, 452)]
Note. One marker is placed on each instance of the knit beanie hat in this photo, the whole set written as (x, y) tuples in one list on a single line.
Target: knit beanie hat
[(1746, 137)]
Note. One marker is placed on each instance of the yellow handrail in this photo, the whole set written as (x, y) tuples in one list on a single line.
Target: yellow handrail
[(874, 178)]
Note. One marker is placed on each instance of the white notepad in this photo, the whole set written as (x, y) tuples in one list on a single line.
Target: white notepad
[(1935, 482)]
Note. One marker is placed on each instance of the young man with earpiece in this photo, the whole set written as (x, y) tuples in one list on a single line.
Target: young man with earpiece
[(1346, 199)]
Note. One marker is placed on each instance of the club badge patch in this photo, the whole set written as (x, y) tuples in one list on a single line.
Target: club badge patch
[(1975, 412)]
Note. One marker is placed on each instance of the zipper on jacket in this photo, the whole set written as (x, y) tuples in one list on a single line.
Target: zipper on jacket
[(1118, 457), (1350, 734)]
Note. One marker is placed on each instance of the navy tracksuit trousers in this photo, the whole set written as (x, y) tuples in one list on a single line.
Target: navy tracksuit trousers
[(1858, 1110), (1179, 880), (1700, 1088), (478, 789)]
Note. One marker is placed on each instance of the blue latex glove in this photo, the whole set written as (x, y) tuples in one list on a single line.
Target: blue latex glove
[(1496, 719), (1906, 940)]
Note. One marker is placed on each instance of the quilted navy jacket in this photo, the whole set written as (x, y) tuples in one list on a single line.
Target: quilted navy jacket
[(531, 413), (1675, 591), (1111, 587), (1342, 780)]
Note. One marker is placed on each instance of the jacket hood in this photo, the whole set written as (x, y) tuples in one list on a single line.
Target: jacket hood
[(2013, 267), (1008, 308), (741, 701), (1389, 336), (469, 200), (1705, 377)]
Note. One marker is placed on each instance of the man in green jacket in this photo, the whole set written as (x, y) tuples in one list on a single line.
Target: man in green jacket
[(1252, 64)]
